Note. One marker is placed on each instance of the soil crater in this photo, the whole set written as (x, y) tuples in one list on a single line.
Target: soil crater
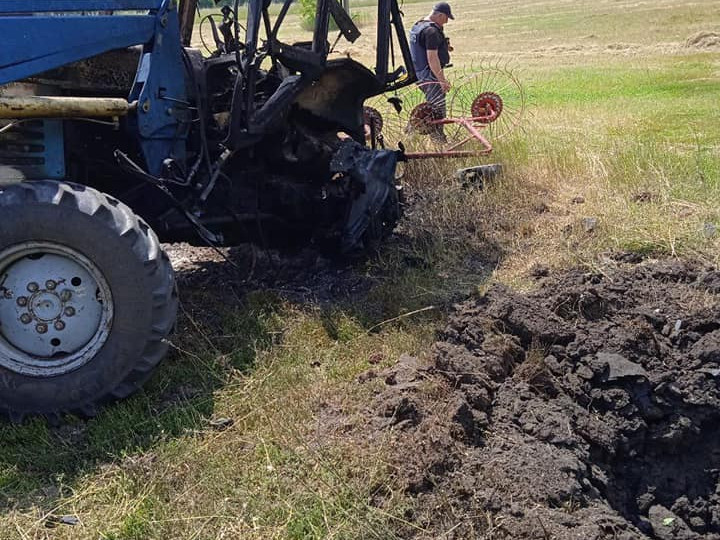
[(585, 409)]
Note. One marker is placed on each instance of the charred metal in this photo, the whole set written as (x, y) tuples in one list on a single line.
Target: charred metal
[(266, 143)]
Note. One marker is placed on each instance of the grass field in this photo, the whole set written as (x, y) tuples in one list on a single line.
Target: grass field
[(623, 133)]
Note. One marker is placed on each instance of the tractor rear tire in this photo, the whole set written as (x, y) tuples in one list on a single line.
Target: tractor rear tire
[(87, 300)]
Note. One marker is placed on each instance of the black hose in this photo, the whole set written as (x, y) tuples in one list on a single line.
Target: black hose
[(133, 168), (201, 111)]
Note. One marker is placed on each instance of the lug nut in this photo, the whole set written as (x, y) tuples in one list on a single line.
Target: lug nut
[(69, 311), (50, 285), (41, 328), (26, 318), (22, 301), (33, 287), (66, 295), (59, 326)]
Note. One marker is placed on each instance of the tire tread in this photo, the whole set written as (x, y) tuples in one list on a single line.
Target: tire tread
[(146, 246)]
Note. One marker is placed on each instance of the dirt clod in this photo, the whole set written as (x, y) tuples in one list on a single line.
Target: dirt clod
[(586, 409), (644, 197)]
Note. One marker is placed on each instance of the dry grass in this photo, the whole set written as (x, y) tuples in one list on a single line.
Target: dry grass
[(290, 464)]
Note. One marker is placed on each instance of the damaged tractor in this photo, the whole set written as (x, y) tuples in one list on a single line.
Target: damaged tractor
[(117, 136)]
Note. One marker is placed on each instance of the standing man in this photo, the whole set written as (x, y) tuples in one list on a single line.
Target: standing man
[(430, 51)]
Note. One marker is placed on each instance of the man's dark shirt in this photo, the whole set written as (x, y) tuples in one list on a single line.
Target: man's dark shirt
[(431, 38), (425, 36)]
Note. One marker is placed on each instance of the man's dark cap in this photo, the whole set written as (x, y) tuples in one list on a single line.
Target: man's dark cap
[(443, 7)]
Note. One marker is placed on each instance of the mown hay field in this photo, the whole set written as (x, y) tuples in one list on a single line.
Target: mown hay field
[(256, 426)]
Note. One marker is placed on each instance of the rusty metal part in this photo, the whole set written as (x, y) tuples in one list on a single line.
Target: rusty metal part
[(474, 135), (62, 107), (439, 154), (422, 119), (455, 150), (486, 107)]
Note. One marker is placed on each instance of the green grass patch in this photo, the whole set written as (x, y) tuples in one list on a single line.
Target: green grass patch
[(687, 78)]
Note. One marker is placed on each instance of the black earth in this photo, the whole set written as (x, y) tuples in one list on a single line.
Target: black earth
[(588, 408)]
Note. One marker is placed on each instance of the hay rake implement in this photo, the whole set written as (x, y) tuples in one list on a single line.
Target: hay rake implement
[(483, 105)]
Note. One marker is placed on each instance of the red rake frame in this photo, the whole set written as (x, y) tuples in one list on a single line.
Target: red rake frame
[(486, 108), (485, 103)]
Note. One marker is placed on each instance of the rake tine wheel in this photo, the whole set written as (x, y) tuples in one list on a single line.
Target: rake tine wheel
[(492, 93), (418, 123), (484, 104)]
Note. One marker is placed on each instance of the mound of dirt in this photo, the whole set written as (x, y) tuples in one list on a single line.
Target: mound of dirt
[(704, 40), (587, 409)]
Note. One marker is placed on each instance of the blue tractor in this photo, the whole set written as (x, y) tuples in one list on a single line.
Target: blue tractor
[(115, 136)]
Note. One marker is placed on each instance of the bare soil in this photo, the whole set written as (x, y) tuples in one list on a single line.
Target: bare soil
[(213, 282), (304, 276), (586, 409)]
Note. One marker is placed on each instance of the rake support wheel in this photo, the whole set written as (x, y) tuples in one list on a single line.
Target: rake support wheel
[(421, 118), (486, 108), (493, 94)]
